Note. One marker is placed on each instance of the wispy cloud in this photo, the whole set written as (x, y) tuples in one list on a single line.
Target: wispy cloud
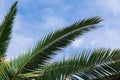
[(112, 6), (77, 43), (53, 22), (93, 42)]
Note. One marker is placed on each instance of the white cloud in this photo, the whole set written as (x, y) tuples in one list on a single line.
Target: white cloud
[(52, 22), (19, 22), (112, 38), (93, 42), (53, 1), (111, 5), (77, 42), (107, 38)]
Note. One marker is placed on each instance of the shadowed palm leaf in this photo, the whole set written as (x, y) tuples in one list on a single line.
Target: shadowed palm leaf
[(5, 30)]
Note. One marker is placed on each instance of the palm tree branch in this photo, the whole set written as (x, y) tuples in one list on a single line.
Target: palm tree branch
[(5, 30), (51, 43), (77, 64), (108, 70)]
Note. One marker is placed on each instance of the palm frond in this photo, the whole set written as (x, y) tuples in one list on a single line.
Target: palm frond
[(5, 30), (7, 72), (53, 42), (66, 69), (4, 73), (106, 71)]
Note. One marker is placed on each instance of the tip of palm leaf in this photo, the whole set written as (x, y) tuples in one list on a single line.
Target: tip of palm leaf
[(16, 2), (99, 18)]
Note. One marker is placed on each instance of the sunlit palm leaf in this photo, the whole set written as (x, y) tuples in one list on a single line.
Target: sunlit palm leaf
[(3, 74)]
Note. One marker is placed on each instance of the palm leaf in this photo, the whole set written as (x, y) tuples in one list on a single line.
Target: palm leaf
[(7, 72), (53, 42), (86, 60), (5, 30), (4, 73), (106, 71)]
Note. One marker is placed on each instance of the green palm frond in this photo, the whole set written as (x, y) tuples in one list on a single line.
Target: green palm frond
[(53, 42), (67, 68), (7, 72), (101, 64), (106, 71), (5, 30), (109, 70), (4, 72)]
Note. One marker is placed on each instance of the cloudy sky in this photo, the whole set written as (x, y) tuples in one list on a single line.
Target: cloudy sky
[(36, 18)]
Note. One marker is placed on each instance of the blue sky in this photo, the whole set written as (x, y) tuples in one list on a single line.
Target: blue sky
[(36, 18)]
